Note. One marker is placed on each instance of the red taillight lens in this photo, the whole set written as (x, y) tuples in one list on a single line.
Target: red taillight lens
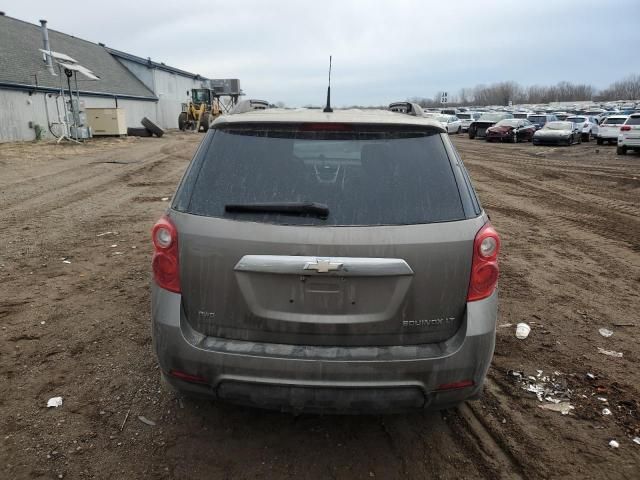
[(166, 270), (625, 128), (187, 377), (456, 385), (484, 267)]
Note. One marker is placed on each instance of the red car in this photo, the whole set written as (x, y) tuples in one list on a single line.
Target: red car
[(511, 130)]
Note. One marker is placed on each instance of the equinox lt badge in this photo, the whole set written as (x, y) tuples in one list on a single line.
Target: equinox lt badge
[(323, 266)]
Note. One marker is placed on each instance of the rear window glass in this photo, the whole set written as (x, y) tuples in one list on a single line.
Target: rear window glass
[(614, 121), (538, 118), (464, 116), (365, 176), (633, 121)]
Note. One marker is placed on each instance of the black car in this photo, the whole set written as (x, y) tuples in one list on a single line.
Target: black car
[(541, 119)]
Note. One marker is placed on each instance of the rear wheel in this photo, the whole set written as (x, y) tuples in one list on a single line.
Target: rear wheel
[(472, 134), (621, 150), (459, 131), (205, 121), (586, 137), (599, 141), (182, 121)]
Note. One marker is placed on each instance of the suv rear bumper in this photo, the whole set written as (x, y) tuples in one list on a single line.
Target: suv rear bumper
[(324, 379)]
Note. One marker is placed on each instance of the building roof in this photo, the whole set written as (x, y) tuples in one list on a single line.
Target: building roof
[(302, 115), (21, 62), (147, 62)]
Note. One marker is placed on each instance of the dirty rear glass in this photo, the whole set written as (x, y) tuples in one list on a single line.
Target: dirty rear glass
[(365, 175)]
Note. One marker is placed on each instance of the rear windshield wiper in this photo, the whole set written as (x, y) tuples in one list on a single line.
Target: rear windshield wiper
[(291, 208)]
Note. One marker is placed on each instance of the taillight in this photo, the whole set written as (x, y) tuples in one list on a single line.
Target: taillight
[(166, 270), (625, 128), (484, 267)]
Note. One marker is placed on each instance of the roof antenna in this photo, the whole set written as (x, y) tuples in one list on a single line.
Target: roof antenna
[(328, 108)]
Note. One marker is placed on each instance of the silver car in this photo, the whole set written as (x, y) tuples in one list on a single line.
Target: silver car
[(334, 263)]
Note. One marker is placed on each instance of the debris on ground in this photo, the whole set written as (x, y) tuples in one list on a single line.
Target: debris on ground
[(609, 353), (505, 325), (522, 331), (103, 234), (614, 444), (146, 420), (591, 376), (54, 402), (552, 389), (66, 261), (606, 411), (563, 407), (165, 199), (605, 332), (636, 440)]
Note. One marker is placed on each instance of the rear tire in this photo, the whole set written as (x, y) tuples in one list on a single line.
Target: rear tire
[(621, 150), (205, 121), (183, 118), (152, 127), (459, 131), (586, 137), (599, 141)]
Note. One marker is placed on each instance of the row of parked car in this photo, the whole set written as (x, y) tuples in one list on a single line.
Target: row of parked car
[(540, 128)]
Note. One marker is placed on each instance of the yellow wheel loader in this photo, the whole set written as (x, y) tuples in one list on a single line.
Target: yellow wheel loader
[(199, 113)]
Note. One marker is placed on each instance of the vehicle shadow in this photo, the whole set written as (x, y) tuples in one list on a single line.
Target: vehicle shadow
[(240, 442)]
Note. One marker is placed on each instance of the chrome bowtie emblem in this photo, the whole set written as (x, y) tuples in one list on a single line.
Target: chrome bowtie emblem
[(323, 266)]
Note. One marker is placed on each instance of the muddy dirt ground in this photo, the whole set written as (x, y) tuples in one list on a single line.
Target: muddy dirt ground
[(74, 313)]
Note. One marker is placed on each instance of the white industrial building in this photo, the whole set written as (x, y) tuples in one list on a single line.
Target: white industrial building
[(28, 89)]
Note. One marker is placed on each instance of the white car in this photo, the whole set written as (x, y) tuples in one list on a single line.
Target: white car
[(450, 123), (588, 126), (609, 129), (466, 118), (629, 136)]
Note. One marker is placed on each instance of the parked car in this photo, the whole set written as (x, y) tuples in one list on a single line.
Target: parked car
[(522, 115), (511, 130), (588, 126), (409, 108), (478, 128), (341, 263), (609, 129), (466, 118), (249, 105), (558, 133), (451, 123), (540, 119), (629, 136), (561, 116), (449, 111), (596, 113)]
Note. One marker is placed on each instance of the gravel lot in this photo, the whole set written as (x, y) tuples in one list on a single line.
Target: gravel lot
[(74, 310)]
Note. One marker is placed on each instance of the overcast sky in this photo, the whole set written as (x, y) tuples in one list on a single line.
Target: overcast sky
[(382, 50)]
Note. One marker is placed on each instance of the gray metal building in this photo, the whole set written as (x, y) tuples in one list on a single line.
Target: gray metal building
[(141, 87)]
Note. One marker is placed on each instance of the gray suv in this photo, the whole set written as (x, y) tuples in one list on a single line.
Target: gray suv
[(333, 263)]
